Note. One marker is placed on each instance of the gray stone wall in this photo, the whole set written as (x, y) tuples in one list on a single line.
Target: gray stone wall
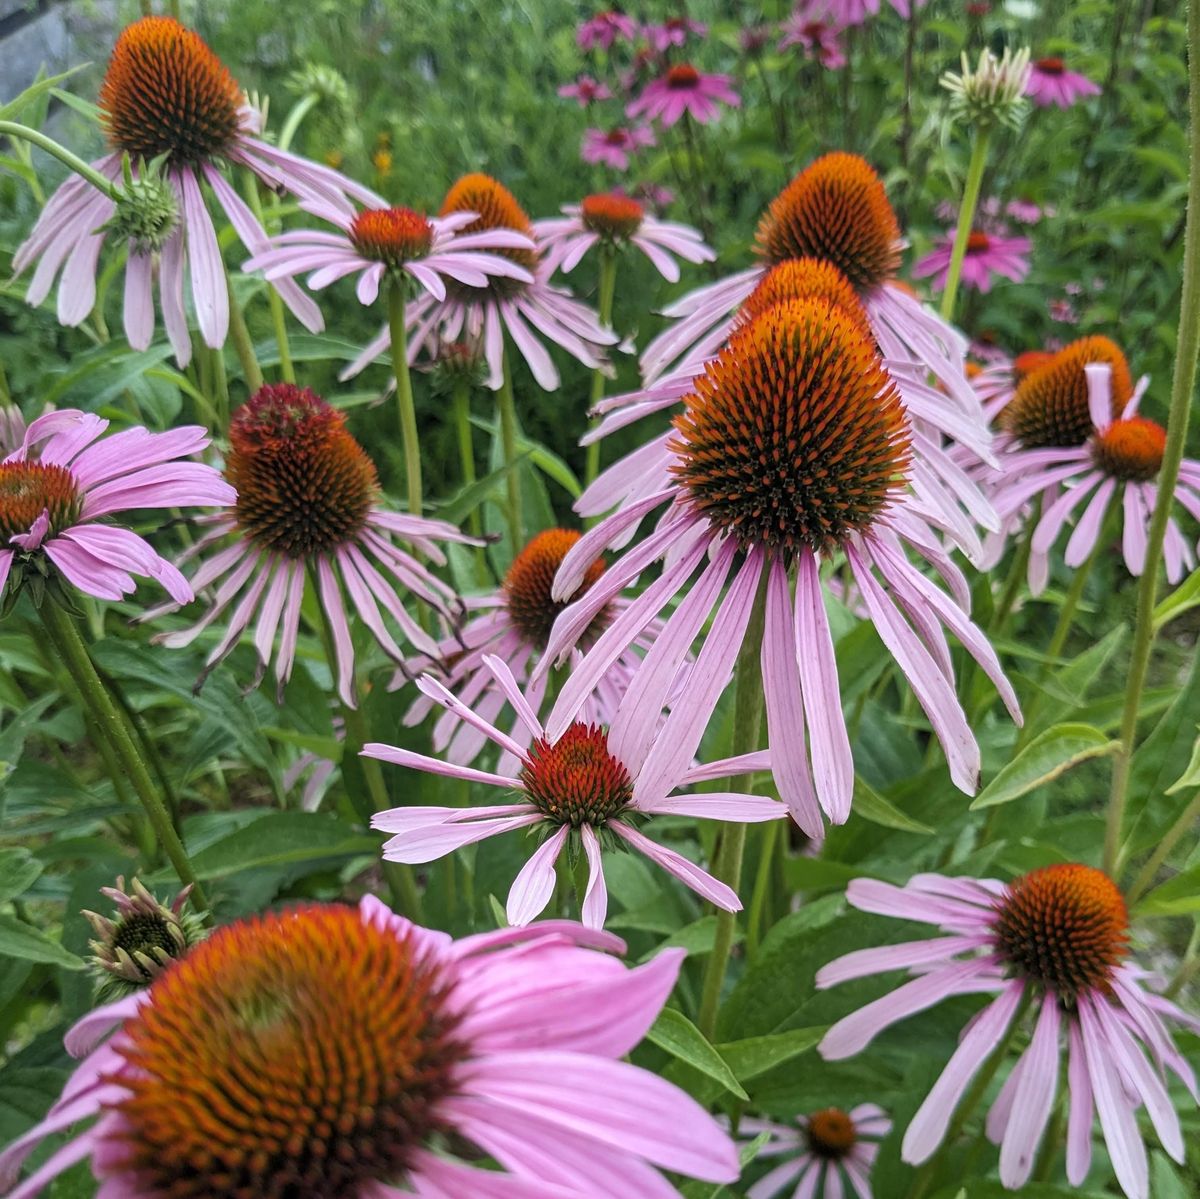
[(54, 34)]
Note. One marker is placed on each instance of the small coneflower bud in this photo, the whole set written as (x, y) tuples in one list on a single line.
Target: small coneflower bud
[(831, 1133), (327, 85), (452, 363), (803, 279), (992, 93), (140, 940), (614, 218), (166, 93), (1131, 449), (495, 208), (835, 209), (527, 586), (304, 485), (1064, 927), (576, 780), (795, 436), (1050, 407), (147, 211), (392, 236)]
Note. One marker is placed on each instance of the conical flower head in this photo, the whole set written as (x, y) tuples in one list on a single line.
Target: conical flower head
[(615, 218), (167, 93), (392, 236), (836, 209), (803, 279), (30, 490), (495, 208), (1131, 449), (305, 486), (1064, 927), (831, 1133), (528, 584), (576, 780), (299, 1054), (795, 437), (1050, 407)]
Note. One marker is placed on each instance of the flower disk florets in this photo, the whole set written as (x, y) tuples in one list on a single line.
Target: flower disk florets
[(497, 208), (28, 489), (302, 1054), (831, 1133), (527, 586), (167, 93), (682, 77), (304, 484), (1063, 927), (391, 235), (795, 436), (803, 279), (836, 209), (1050, 407), (1131, 450), (576, 780), (616, 218)]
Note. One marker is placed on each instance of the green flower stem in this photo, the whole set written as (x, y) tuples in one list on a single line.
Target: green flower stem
[(747, 719), (1189, 967), (1183, 825), (6, 400), (239, 334), (63, 155), (1051, 1141), (762, 883), (508, 447), (298, 112), (398, 329), (65, 636), (966, 215), (461, 410), (1183, 387), (605, 290), (278, 316)]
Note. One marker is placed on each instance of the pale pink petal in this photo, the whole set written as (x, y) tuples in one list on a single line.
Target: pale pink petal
[(1033, 1099), (533, 886), (689, 873), (595, 896)]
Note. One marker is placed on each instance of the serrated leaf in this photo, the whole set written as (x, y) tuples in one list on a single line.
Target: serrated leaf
[(1045, 758), (18, 940), (872, 806), (675, 1033)]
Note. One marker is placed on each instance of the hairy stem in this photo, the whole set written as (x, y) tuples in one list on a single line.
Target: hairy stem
[(508, 446), (605, 290), (398, 330), (966, 216), (81, 168)]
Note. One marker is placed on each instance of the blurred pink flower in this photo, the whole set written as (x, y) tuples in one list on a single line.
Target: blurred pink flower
[(605, 28), (1063, 311), (674, 31), (658, 197), (586, 90), (1051, 83), (987, 254), (681, 90), (820, 39), (615, 147), (1027, 212)]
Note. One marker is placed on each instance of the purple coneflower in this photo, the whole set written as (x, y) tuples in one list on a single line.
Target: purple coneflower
[(618, 221), (987, 254), (167, 96), (792, 448), (674, 31), (58, 488), (600, 31), (615, 147), (825, 1151), (683, 89), (1052, 943), (1051, 83), (327, 1051), (307, 505), (585, 90), (582, 783), (818, 37), (503, 305)]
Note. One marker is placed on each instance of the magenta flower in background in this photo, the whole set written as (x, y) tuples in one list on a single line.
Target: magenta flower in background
[(681, 90), (824, 1153), (376, 243), (604, 28), (1051, 83), (63, 482), (674, 31), (1063, 311), (167, 95), (618, 221), (585, 90), (418, 1062), (307, 504), (578, 781), (988, 254), (819, 39), (1027, 212), (1057, 939), (615, 147)]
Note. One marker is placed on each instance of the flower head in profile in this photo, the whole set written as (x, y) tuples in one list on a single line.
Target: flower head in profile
[(580, 788), (615, 147), (62, 485), (992, 93), (1050, 83), (674, 31), (616, 221), (174, 117), (585, 90), (825, 1153), (307, 506), (987, 255), (683, 89), (793, 447), (378, 244), (1054, 944), (818, 36), (325, 1051), (605, 28), (502, 306)]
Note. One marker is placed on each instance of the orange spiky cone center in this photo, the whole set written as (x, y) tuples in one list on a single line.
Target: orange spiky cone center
[(1131, 449), (301, 1054), (617, 218), (978, 243), (391, 235), (803, 279), (304, 485), (1050, 66), (795, 437), (527, 586), (831, 1133), (836, 209), (1029, 361), (497, 208), (682, 77), (166, 92), (576, 780), (27, 489)]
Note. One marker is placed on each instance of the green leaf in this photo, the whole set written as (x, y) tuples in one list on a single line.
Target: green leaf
[(18, 940), (280, 838), (1071, 684), (870, 805), (675, 1033), (1185, 597), (460, 506), (550, 464), (41, 87), (756, 1055), (1191, 776), (19, 870), (1176, 897), (710, 1190), (329, 748), (1045, 758)]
